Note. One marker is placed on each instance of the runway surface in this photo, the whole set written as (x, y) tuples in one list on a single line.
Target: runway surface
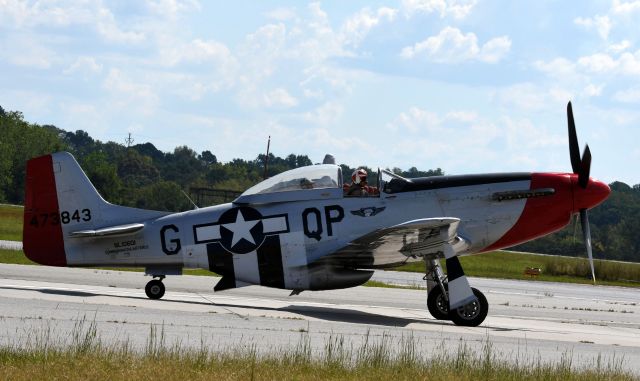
[(527, 320)]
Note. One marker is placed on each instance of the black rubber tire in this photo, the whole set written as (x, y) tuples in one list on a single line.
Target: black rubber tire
[(473, 314), (437, 304), (154, 289)]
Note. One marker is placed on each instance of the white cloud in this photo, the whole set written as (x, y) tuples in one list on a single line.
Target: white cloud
[(461, 136), (174, 52), (625, 7), (523, 133), (602, 63), (279, 98), (524, 96), (32, 53), (630, 63), (326, 114), (171, 9), (558, 67), (108, 28), (597, 63), (602, 24), (84, 65), (49, 13), (416, 120), (130, 95), (495, 49), (462, 116), (455, 8), (60, 14), (313, 94), (453, 46), (619, 47), (560, 95), (592, 90), (355, 29), (282, 14), (631, 95)]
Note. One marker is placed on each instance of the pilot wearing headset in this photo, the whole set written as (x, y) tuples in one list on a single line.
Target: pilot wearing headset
[(358, 186)]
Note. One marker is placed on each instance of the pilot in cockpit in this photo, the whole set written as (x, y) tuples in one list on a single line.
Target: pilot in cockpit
[(358, 186)]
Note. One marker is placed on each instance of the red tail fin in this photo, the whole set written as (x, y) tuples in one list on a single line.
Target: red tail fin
[(42, 232)]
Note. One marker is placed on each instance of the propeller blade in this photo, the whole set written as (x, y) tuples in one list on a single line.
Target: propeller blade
[(585, 168), (574, 150), (586, 233)]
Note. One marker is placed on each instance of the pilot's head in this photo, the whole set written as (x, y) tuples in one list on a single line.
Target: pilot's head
[(359, 177)]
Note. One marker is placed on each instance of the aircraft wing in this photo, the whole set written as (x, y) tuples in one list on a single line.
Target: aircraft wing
[(401, 243)]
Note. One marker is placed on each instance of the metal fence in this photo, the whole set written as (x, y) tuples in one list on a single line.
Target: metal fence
[(208, 196)]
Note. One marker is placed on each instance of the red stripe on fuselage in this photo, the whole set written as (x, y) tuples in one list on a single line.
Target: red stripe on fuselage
[(541, 215), (42, 229)]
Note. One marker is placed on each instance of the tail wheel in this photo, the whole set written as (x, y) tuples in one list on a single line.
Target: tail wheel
[(154, 289), (472, 314), (437, 303)]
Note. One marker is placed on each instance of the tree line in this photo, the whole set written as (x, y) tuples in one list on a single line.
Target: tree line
[(144, 177)]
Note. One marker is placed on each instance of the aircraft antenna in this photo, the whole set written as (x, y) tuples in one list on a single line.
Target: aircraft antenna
[(189, 198), (266, 159)]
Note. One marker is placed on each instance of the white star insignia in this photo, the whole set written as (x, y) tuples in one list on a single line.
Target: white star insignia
[(241, 229)]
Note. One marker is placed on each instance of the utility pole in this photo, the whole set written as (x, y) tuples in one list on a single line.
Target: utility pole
[(129, 141)]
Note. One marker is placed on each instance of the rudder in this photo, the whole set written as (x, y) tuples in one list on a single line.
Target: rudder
[(42, 231)]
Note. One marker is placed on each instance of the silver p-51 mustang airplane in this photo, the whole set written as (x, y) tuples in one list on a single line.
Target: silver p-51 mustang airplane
[(299, 231)]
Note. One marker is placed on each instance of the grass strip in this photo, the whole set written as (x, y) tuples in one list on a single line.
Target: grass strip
[(11, 222), (81, 355), (511, 265), (497, 265)]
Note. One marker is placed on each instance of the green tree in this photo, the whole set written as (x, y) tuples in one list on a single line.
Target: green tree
[(136, 170), (104, 176), (21, 141), (163, 195)]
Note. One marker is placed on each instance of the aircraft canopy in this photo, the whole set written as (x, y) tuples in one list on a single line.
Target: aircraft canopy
[(304, 178)]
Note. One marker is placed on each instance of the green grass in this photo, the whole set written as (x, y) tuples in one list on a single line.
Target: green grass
[(375, 283), (81, 355), (11, 222), (499, 264), (15, 257), (511, 265)]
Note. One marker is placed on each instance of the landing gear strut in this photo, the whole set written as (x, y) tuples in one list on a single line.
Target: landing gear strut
[(469, 315), (437, 299), (155, 288)]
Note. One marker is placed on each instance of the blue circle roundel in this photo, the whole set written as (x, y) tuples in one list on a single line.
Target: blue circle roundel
[(241, 230)]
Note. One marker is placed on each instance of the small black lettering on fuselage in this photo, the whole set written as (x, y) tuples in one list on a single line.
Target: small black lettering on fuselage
[(312, 220), (125, 243), (175, 242)]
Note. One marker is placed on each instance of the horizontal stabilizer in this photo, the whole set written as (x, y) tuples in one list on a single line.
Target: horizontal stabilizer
[(111, 231)]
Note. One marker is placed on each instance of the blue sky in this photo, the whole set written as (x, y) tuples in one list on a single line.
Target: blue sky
[(467, 86)]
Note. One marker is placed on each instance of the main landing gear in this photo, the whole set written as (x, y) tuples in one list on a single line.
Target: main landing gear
[(155, 288), (469, 315)]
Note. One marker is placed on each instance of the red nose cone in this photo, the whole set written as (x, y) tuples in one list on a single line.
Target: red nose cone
[(586, 198)]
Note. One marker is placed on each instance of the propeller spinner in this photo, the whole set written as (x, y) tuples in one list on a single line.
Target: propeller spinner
[(587, 192)]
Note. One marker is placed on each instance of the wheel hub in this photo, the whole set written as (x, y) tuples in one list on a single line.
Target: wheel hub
[(443, 304), (470, 310)]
